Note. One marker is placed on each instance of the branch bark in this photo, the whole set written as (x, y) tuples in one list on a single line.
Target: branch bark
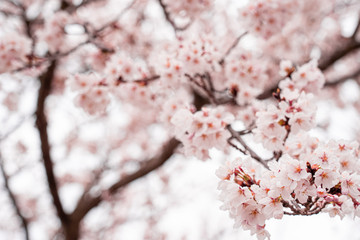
[(41, 124), (169, 19), (343, 79), (339, 53)]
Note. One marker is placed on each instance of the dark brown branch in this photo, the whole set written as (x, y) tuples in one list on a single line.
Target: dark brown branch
[(306, 210), (356, 30), (52, 58), (140, 81), (204, 82), (253, 154), (169, 19), (41, 124), (86, 203), (201, 85), (339, 53), (235, 43), (24, 221)]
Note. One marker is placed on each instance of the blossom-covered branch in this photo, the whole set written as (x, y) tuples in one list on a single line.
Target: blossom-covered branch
[(325, 62), (115, 97)]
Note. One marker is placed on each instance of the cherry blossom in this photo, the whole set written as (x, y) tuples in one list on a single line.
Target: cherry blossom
[(204, 129), (107, 104), (13, 51)]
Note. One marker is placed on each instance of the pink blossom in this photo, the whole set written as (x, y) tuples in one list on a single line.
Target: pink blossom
[(296, 169), (326, 178), (13, 51)]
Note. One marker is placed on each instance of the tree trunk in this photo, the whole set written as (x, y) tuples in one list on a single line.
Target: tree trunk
[(72, 230)]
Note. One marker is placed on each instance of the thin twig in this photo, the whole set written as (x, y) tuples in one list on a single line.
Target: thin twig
[(235, 43), (13, 129), (140, 81), (51, 58), (23, 219), (169, 19), (202, 86), (214, 96), (235, 146), (253, 154)]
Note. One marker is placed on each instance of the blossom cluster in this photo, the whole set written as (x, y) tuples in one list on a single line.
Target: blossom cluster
[(246, 78), (189, 8), (202, 130), (187, 58), (267, 17), (275, 123), (121, 67), (325, 178), (13, 51), (171, 71), (305, 176), (92, 96), (177, 101), (294, 111), (122, 77), (53, 33), (198, 54), (306, 78)]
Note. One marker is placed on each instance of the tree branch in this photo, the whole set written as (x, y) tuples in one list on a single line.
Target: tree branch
[(347, 48), (86, 203), (205, 84), (253, 154), (41, 124), (24, 221), (235, 43), (169, 19), (140, 81), (356, 29), (343, 79)]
